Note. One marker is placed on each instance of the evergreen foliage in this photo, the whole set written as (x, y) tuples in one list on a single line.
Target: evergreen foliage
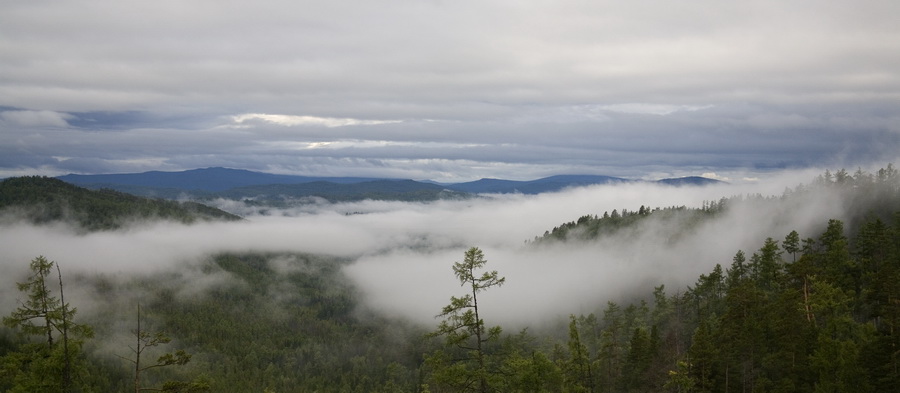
[(48, 356), (43, 200), (591, 227), (814, 312), (464, 364)]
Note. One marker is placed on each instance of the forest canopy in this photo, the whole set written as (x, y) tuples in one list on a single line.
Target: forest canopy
[(42, 200), (797, 312)]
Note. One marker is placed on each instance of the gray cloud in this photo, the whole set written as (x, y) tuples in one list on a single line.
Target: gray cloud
[(538, 88), (26, 118)]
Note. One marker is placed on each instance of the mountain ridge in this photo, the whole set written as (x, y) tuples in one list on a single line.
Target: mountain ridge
[(240, 183), (205, 179)]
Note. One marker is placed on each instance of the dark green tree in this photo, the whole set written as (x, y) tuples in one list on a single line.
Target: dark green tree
[(640, 354), (526, 369), (53, 362), (834, 260), (704, 357), (612, 343), (579, 374), (791, 244), (464, 328), (35, 316), (766, 265), (838, 352)]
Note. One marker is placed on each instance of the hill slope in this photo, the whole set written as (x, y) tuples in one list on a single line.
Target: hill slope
[(43, 200)]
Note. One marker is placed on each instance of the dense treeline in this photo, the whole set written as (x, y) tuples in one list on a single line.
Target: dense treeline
[(282, 322), (818, 314), (591, 227), (863, 195), (43, 200), (815, 312)]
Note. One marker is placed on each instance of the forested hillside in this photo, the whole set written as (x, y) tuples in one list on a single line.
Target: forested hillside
[(44, 200), (862, 195), (801, 312)]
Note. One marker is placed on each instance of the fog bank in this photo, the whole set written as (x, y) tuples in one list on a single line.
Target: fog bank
[(402, 252)]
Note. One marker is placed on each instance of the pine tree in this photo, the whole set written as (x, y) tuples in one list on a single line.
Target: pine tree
[(791, 244), (611, 347), (45, 365), (704, 357), (464, 328), (578, 370)]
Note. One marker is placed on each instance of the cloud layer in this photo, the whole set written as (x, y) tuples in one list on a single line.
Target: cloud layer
[(539, 88), (402, 253)]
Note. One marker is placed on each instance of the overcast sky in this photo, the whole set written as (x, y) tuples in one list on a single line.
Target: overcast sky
[(449, 90)]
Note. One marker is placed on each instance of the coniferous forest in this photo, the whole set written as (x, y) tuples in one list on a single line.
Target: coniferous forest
[(801, 312)]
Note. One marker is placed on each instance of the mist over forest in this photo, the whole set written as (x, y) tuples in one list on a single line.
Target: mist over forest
[(388, 265), (449, 196), (402, 252)]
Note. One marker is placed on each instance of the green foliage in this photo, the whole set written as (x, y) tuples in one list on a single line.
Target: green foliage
[(813, 314), (287, 323), (43, 200), (592, 227), (38, 314), (283, 322), (464, 329), (146, 340), (533, 372), (54, 361), (818, 313), (577, 369)]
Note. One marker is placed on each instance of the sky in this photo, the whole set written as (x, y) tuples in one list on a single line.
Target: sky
[(449, 90)]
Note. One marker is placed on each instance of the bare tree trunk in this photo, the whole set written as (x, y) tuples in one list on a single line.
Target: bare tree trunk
[(67, 368), (809, 314), (45, 308), (726, 378), (137, 356), (481, 368)]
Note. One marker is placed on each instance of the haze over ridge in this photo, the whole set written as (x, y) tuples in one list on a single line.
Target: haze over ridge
[(403, 251)]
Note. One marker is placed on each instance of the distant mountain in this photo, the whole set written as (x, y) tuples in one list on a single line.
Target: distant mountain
[(206, 179), (394, 190), (558, 183), (689, 181), (43, 200), (547, 184), (486, 186), (210, 183)]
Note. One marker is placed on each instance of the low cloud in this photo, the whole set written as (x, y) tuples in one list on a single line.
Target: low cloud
[(652, 109), (713, 175), (26, 118), (557, 280), (402, 253), (291, 120)]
